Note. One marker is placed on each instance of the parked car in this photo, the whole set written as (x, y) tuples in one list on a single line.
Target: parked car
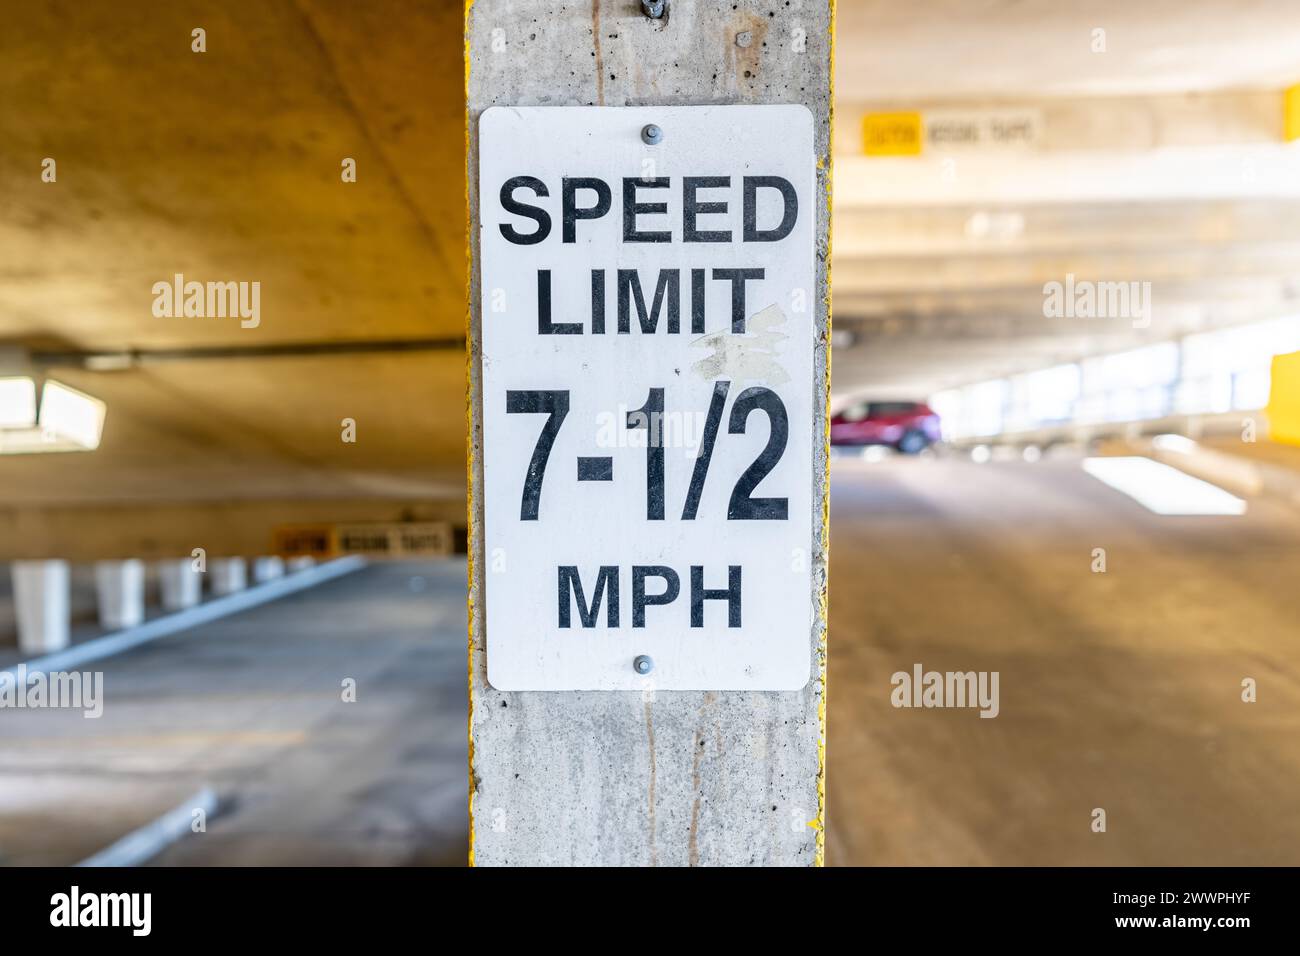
[(909, 427)]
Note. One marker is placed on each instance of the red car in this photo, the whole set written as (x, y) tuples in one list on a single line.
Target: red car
[(910, 427)]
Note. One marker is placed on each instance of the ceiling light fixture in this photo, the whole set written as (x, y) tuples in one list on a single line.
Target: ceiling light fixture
[(64, 420)]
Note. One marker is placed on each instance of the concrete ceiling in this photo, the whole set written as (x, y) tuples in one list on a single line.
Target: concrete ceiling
[(225, 165), (965, 49), (1159, 160)]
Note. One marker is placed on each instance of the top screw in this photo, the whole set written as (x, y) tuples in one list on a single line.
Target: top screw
[(654, 9), (652, 134), (643, 664)]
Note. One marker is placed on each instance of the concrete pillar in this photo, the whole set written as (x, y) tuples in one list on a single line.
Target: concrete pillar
[(119, 587), (41, 603), (227, 575), (180, 584), (624, 777), (267, 568), (301, 563)]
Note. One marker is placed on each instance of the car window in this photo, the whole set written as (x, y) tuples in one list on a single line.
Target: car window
[(889, 409)]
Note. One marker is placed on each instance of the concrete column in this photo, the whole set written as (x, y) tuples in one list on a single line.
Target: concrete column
[(227, 575), (119, 586), (41, 603), (687, 777), (267, 568), (181, 585)]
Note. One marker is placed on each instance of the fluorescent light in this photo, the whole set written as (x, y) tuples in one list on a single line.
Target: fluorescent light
[(17, 403), (66, 420), (1163, 489), (72, 415)]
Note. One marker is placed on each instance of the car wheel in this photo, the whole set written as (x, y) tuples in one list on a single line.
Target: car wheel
[(913, 442)]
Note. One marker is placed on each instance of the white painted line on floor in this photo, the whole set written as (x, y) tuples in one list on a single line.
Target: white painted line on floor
[(152, 838), (1162, 488), (212, 610)]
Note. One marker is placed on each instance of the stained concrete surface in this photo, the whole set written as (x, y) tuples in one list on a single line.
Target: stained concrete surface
[(1119, 690), (252, 705)]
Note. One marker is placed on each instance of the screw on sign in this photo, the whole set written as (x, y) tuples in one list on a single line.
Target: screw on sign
[(647, 424)]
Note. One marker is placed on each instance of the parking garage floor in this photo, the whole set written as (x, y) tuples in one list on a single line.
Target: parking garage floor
[(253, 706), (1118, 690)]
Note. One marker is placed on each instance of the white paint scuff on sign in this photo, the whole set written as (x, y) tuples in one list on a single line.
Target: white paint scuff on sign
[(647, 370)]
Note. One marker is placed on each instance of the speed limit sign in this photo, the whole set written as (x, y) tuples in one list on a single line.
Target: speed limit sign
[(648, 322)]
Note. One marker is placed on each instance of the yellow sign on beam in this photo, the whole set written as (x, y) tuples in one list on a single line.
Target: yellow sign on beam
[(891, 134), (404, 539), (1284, 399)]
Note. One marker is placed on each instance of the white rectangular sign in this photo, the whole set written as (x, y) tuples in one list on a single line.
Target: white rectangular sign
[(648, 315)]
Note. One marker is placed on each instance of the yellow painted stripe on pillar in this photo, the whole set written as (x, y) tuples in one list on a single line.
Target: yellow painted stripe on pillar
[(1284, 399), (1291, 113)]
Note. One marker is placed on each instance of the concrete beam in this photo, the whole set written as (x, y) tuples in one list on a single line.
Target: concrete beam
[(1246, 171), (1195, 264), (1065, 228), (1104, 123), (618, 778), (41, 603), (162, 531)]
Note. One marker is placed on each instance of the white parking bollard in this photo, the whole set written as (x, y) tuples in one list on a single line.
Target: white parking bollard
[(181, 585), (228, 575), (119, 586), (267, 568), (41, 605)]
